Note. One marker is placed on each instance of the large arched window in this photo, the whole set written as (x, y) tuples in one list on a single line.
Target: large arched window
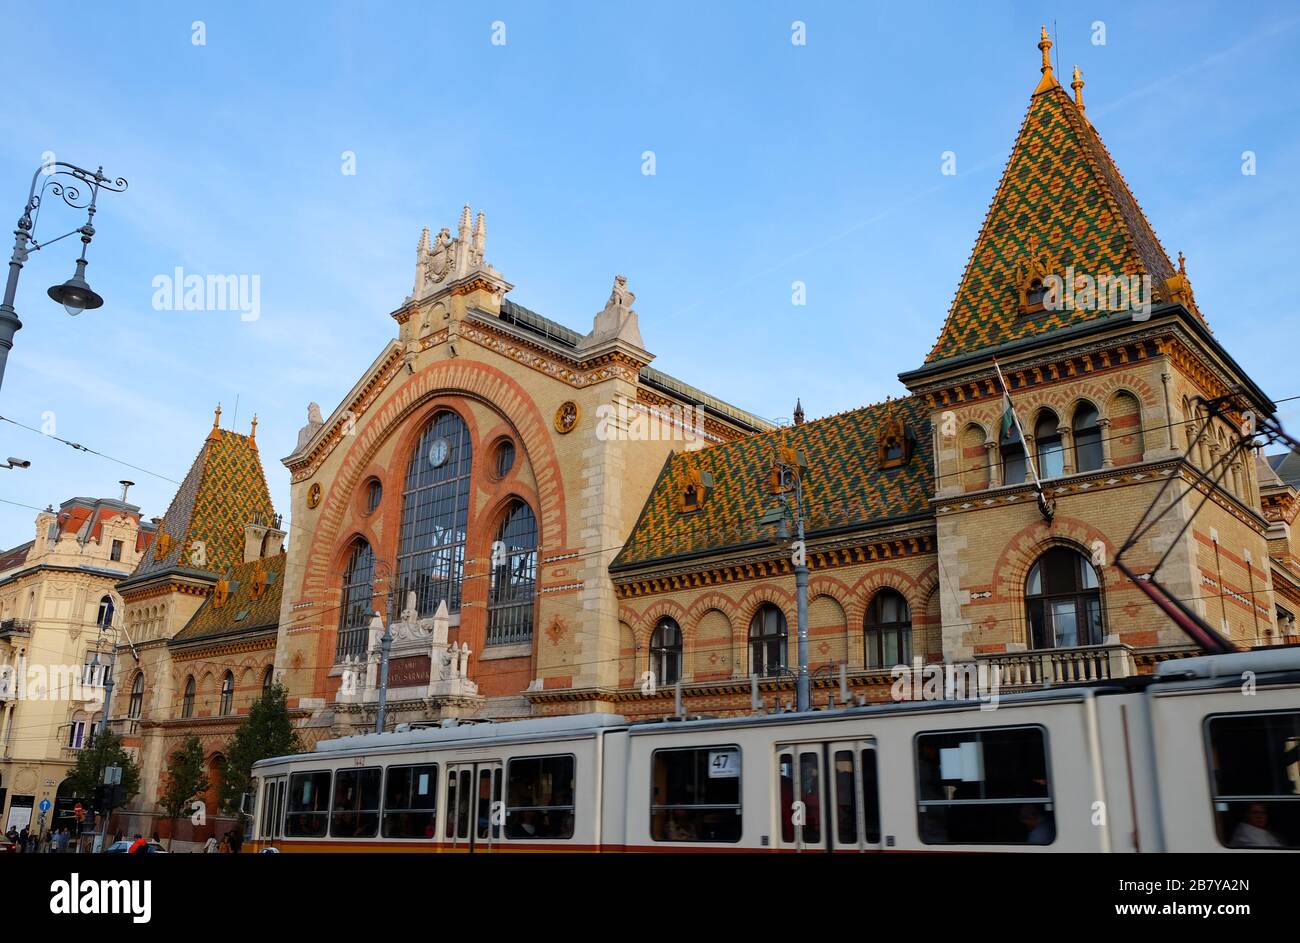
[(268, 679), (767, 641), (1049, 451), (136, 704), (1087, 439), (514, 577), (227, 693), (435, 512), (187, 702), (105, 617), (1063, 601), (888, 631), (666, 651), (356, 606)]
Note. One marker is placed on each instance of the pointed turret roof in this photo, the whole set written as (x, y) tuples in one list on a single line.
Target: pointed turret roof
[(203, 530), (1061, 199)]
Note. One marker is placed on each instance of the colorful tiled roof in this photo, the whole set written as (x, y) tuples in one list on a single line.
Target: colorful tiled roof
[(1062, 189), (845, 484), (242, 611), (224, 490)]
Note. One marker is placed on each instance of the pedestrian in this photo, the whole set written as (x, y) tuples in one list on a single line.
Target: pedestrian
[(224, 849), (137, 846), (22, 840), (210, 846), (236, 841)]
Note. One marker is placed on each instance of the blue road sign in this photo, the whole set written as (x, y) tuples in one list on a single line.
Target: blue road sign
[(45, 806)]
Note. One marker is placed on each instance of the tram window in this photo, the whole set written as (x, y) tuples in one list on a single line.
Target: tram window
[(463, 797), (808, 794), (489, 794), (309, 797), (695, 795), (984, 787), (268, 809), (1255, 772), (356, 803), (279, 808), (870, 798), (410, 801), (846, 805), (539, 797)]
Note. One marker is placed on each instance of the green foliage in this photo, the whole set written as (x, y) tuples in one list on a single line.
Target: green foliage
[(267, 731), (92, 760), (186, 779)]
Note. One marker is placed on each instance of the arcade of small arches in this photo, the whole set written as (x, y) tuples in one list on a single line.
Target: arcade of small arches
[(1063, 607), (209, 691), (437, 534), (1086, 435)]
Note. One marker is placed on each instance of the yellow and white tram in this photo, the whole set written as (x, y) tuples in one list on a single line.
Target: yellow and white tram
[(1203, 756)]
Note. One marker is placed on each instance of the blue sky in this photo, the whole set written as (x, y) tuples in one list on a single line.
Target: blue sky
[(774, 163)]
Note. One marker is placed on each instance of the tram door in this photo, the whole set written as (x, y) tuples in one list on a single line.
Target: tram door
[(272, 809), (828, 796), (475, 812)]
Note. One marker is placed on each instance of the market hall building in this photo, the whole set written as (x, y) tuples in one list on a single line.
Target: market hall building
[(548, 524)]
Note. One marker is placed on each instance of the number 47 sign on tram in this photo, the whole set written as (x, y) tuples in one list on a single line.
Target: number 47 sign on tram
[(724, 764)]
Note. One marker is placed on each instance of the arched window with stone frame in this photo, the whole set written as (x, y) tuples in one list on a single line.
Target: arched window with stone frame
[(666, 651), (888, 628), (1063, 601), (513, 587), (187, 701), (227, 694), (1049, 447), (356, 607), (1086, 433), (768, 641), (435, 515)]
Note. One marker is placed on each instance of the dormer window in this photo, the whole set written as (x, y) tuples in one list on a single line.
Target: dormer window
[(695, 490)]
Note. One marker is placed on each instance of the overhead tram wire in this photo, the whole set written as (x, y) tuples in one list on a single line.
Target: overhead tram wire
[(85, 448)]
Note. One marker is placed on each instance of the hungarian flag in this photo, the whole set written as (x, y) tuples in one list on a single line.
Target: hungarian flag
[(1008, 415)]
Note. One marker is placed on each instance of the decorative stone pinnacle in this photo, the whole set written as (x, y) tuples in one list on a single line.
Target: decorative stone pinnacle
[(1077, 85), (1045, 45)]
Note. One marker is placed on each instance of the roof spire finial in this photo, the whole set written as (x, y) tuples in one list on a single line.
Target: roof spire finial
[(252, 436), (216, 424), (1048, 80), (1182, 263), (798, 412), (1077, 85)]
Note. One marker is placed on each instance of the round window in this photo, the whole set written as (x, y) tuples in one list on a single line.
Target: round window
[(505, 458)]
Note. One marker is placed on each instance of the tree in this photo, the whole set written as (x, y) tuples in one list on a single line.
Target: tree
[(186, 781), (104, 751), (266, 731)]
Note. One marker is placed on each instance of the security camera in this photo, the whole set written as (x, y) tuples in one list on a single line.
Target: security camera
[(18, 463)]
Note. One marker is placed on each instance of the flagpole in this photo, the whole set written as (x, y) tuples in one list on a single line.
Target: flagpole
[(1024, 443)]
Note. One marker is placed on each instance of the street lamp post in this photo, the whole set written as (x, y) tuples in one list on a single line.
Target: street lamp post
[(75, 294), (790, 467), (385, 646)]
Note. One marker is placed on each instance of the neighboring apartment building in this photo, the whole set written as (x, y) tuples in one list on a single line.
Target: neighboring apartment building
[(202, 610), (59, 615)]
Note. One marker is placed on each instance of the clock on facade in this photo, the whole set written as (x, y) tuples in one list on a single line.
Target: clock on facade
[(438, 452)]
